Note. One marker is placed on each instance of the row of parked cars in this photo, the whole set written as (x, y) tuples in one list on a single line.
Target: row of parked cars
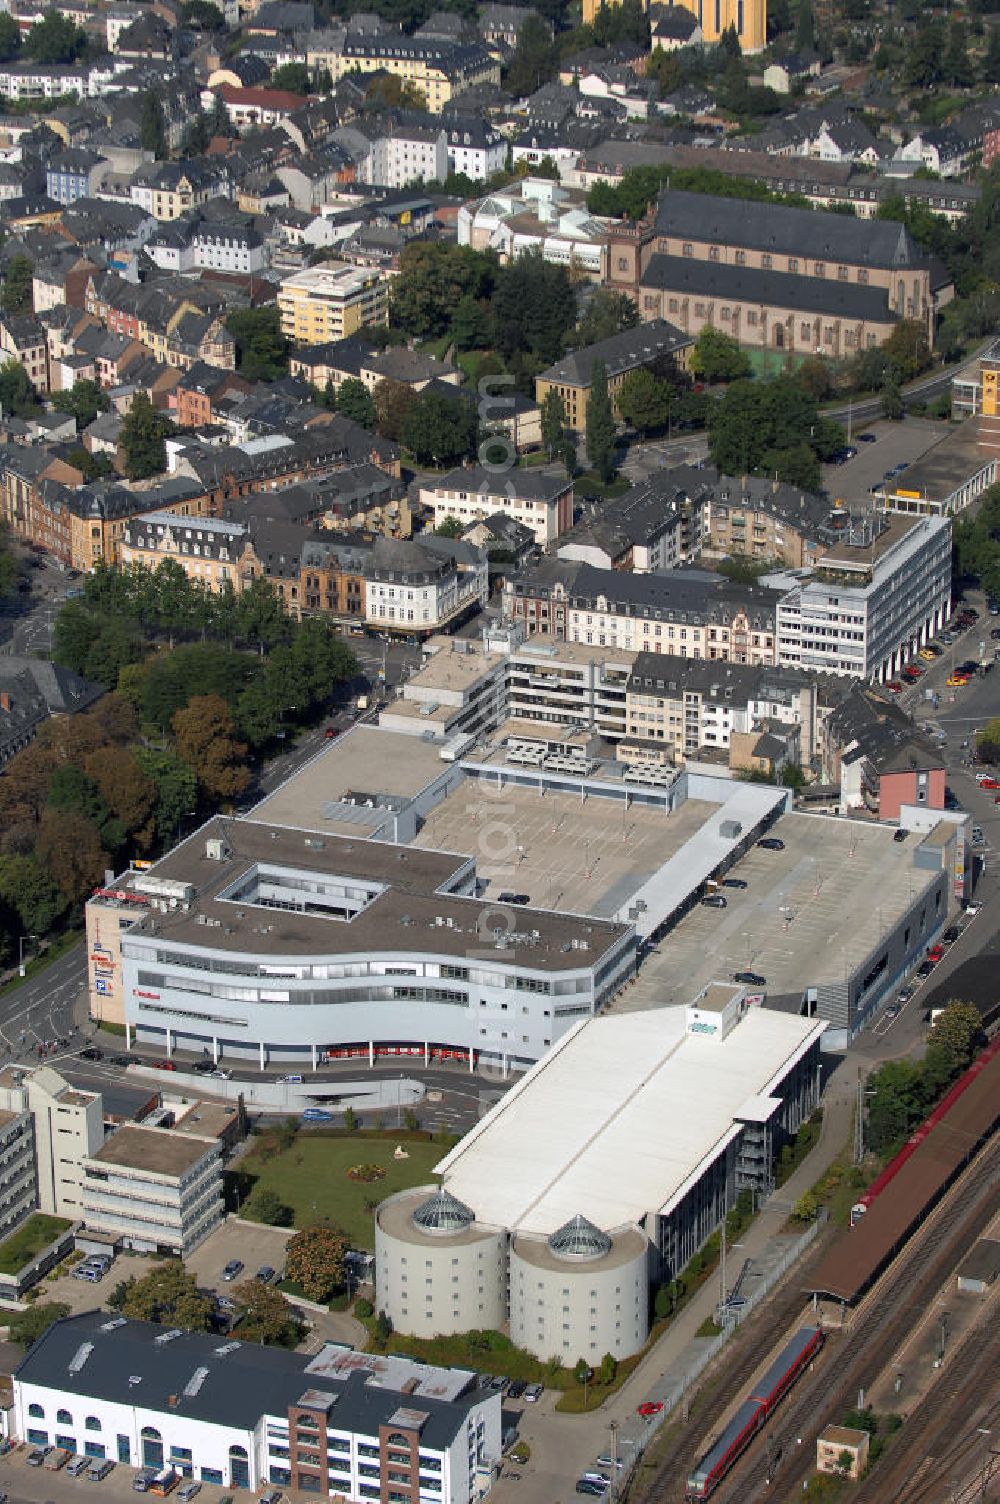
[(95, 1469), (94, 1268)]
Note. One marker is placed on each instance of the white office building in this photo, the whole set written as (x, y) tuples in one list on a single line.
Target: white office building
[(355, 1426), (154, 1190), (870, 602)]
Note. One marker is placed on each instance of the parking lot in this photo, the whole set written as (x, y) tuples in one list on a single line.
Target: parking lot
[(37, 1485), (250, 1242), (896, 444)]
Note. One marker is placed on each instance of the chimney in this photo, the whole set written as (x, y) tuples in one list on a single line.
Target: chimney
[(4, 699), (172, 1401)]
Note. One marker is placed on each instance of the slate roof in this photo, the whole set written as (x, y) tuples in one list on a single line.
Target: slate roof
[(622, 352), (239, 1384), (750, 284), (802, 232), (870, 722)]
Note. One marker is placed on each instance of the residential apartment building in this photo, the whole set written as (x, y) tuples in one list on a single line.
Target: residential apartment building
[(22, 338), (438, 68), (653, 527), (337, 1423), (765, 519), (870, 601), (416, 589), (632, 350), (566, 685), (541, 499), (154, 1190), (776, 277), (208, 549), (330, 301), (646, 613), (677, 707), (872, 751), (166, 190), (407, 152), (475, 148)]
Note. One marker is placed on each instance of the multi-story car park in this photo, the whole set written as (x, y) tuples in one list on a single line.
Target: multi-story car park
[(244, 1416), (870, 602), (561, 1232)]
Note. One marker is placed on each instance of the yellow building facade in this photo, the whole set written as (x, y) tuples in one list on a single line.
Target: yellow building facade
[(331, 301), (714, 17)]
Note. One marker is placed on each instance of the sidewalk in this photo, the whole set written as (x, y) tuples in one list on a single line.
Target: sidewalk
[(563, 1446)]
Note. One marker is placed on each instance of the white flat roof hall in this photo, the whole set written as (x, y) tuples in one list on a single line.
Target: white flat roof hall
[(620, 1118)]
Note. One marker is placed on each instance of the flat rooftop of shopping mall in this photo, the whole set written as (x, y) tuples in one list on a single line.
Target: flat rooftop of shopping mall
[(810, 914)]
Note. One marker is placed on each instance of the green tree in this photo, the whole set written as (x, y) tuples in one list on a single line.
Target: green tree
[(470, 324), (533, 305), (16, 293), (314, 1260), (176, 789), (535, 58), (433, 278), (896, 1104), (643, 401), (202, 15), (354, 401), (924, 63), (292, 77), (84, 400), (606, 313), (440, 430), (10, 37), (805, 27), (771, 427), (197, 136), (955, 1037), (383, 1327), (17, 395), (393, 401), (600, 420), (553, 415), (265, 1205), (387, 91), (152, 126), (718, 357), (956, 65), (261, 348), (55, 40), (891, 399), (449, 528), (806, 1208), (142, 439), (991, 58), (729, 42), (608, 1369), (27, 1326), (265, 1316), (169, 1295)]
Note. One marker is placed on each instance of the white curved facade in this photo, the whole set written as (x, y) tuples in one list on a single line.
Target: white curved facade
[(435, 1282), (571, 1308)]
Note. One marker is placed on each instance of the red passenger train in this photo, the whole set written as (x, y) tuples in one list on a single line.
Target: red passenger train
[(757, 1408)]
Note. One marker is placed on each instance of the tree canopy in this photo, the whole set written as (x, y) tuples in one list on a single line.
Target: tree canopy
[(771, 428), (261, 348)]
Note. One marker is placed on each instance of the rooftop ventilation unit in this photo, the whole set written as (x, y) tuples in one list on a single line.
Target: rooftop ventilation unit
[(166, 1337), (226, 1348), (113, 1324)]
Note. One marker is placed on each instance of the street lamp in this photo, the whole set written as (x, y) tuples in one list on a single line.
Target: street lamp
[(20, 953)]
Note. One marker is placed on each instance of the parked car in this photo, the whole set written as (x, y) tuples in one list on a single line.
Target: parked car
[(957, 681), (594, 1490), (188, 1491), (925, 968), (714, 901), (124, 1060), (291, 1080), (164, 1065), (499, 1382), (265, 1274), (37, 1456), (951, 934), (606, 1460), (219, 1074), (271, 1496), (330, 733), (317, 1115), (142, 1480), (648, 1408), (894, 687), (734, 882), (92, 1052), (533, 1393), (203, 1067), (519, 899), (866, 438), (232, 1269), (88, 1273), (935, 953), (751, 978), (77, 1465), (99, 1469), (516, 1389), (900, 834), (771, 843)]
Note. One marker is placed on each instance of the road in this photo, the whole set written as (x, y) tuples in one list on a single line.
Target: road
[(45, 1007), (27, 628)]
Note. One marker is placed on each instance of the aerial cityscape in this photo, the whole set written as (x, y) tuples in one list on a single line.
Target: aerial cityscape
[(499, 751)]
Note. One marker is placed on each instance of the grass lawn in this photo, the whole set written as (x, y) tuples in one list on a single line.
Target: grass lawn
[(590, 486), (311, 1177), (29, 1241)]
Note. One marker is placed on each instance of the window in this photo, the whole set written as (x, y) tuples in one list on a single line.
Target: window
[(765, 262), (62, 1416), (741, 258), (752, 316), (820, 269), (713, 253), (93, 1424), (843, 273), (688, 248), (38, 1413), (793, 264)]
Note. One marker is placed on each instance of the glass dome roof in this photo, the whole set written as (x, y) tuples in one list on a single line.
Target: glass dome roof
[(443, 1212), (579, 1239)]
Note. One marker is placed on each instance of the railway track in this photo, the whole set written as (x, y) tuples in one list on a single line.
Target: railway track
[(852, 1361), (943, 1429), (738, 1362)]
